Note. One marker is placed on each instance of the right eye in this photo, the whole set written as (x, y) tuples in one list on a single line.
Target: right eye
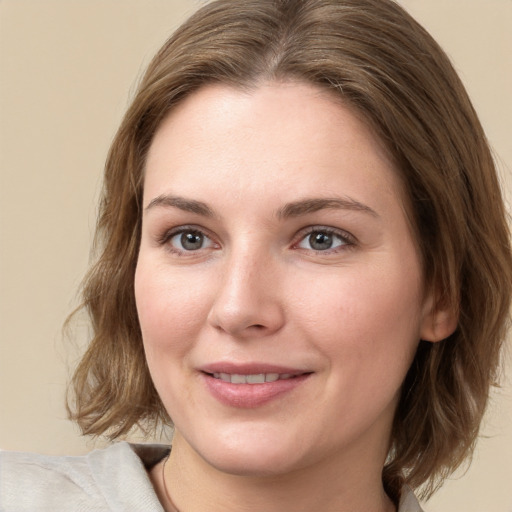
[(188, 240)]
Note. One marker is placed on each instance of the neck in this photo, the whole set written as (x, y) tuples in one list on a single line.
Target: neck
[(193, 485)]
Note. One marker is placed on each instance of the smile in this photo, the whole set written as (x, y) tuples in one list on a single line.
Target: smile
[(262, 385), (257, 378)]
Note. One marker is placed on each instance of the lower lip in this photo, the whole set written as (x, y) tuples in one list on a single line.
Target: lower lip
[(249, 396)]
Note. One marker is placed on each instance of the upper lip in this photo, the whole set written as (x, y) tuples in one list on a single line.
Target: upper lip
[(250, 368)]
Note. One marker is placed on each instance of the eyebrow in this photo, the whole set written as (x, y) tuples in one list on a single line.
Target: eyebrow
[(305, 206), (187, 205), (294, 209)]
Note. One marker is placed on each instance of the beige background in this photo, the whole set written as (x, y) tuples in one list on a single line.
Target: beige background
[(66, 72)]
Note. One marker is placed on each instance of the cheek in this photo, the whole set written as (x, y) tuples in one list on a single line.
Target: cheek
[(370, 318), (169, 308)]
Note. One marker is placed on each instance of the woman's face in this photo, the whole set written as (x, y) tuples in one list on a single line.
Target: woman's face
[(278, 287)]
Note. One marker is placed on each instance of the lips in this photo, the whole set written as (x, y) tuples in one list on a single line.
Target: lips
[(251, 385)]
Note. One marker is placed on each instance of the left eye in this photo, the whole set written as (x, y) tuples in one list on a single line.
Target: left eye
[(322, 240), (190, 240)]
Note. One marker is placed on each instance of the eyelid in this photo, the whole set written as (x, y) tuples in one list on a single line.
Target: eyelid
[(349, 240), (167, 235)]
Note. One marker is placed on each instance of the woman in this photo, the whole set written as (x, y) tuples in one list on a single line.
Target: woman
[(305, 264)]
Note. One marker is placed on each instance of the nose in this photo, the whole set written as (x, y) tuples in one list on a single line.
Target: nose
[(248, 302)]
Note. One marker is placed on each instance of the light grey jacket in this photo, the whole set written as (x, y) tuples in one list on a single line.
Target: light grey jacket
[(114, 479)]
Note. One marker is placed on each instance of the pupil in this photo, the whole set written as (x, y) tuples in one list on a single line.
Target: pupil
[(191, 241), (320, 241)]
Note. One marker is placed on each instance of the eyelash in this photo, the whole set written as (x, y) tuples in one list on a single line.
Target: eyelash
[(169, 235), (348, 240)]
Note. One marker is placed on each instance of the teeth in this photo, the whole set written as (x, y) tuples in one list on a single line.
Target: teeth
[(255, 379), (258, 378)]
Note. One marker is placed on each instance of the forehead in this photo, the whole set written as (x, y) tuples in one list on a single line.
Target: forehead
[(284, 136)]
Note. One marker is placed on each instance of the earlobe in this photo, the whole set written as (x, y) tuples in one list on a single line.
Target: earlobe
[(438, 322)]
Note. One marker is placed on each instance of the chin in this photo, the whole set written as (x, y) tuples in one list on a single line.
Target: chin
[(253, 454)]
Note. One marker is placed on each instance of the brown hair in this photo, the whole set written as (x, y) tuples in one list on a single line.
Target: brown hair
[(374, 56)]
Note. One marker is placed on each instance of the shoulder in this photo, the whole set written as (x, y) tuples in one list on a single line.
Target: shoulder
[(30, 481), (114, 478)]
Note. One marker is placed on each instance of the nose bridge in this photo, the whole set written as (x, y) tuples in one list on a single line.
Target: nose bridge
[(247, 301)]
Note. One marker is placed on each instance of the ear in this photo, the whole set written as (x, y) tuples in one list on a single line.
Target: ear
[(438, 321)]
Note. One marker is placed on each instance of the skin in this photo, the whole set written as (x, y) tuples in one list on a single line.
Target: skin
[(255, 288)]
